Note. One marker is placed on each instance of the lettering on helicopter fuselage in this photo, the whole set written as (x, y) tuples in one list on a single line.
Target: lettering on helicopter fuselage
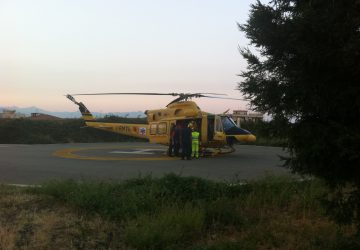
[(124, 129)]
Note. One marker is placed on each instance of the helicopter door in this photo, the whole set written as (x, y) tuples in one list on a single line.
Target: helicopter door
[(159, 132), (219, 134)]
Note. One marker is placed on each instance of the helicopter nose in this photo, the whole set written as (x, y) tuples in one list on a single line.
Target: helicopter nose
[(251, 138), (246, 138)]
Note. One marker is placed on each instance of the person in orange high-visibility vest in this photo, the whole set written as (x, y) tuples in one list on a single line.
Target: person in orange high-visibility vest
[(195, 143)]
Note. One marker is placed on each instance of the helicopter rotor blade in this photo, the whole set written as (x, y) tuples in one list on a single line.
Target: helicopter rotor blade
[(134, 93), (228, 98), (181, 96), (172, 94), (211, 94)]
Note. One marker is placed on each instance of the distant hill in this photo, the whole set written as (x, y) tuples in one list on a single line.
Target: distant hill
[(28, 110)]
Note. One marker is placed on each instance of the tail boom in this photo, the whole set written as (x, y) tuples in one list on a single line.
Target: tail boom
[(134, 130)]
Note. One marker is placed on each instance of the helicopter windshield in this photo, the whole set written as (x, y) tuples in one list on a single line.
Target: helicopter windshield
[(227, 123), (230, 127)]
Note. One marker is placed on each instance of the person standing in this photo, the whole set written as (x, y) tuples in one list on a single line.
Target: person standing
[(195, 143), (186, 143), (177, 139), (172, 141)]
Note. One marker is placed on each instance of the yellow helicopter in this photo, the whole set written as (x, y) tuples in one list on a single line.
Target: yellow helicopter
[(217, 132)]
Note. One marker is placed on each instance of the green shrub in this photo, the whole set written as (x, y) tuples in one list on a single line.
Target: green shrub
[(226, 245), (111, 200), (222, 213), (172, 226), (24, 131), (280, 190), (175, 212)]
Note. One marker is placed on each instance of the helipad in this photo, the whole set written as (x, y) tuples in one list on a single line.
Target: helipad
[(34, 164), (119, 153)]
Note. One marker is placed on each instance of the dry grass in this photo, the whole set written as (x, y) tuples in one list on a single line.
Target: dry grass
[(35, 222)]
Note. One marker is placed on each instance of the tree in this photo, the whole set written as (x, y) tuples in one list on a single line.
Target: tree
[(306, 70)]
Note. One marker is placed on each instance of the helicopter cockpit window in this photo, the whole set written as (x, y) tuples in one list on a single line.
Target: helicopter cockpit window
[(227, 123), (161, 128)]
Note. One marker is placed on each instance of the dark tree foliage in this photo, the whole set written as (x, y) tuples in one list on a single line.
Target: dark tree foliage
[(306, 70)]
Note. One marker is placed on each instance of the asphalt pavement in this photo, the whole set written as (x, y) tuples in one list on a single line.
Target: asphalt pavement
[(35, 164)]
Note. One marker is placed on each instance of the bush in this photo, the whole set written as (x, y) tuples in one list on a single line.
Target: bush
[(175, 212), (173, 226), (24, 131)]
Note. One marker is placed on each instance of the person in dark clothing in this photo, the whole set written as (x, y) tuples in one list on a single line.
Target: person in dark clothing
[(171, 142), (176, 139), (186, 143)]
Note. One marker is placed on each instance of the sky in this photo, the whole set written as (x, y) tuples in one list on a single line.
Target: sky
[(49, 48)]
